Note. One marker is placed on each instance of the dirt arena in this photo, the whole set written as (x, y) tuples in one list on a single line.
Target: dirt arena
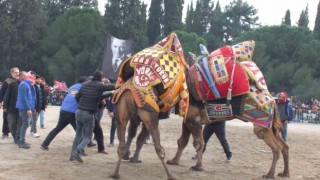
[(251, 157)]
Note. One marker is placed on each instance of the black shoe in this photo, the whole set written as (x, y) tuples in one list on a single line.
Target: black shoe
[(229, 159), (75, 157), (83, 154), (24, 145), (91, 144), (44, 147)]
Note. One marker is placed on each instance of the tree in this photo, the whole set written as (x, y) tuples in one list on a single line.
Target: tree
[(316, 29), (201, 19), (241, 17), (287, 20), (190, 18), (154, 21), (172, 16), (304, 18), (74, 44)]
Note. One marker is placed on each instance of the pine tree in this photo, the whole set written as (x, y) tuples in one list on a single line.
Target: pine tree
[(316, 29), (203, 11), (172, 16), (155, 20), (304, 18), (190, 18), (287, 19)]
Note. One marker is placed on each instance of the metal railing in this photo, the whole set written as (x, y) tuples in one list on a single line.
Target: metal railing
[(306, 115)]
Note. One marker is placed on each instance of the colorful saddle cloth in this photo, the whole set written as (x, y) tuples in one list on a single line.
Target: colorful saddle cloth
[(162, 63)]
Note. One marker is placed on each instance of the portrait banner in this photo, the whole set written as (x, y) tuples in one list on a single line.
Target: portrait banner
[(116, 51)]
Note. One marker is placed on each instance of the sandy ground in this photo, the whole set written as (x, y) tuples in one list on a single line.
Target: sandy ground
[(251, 157)]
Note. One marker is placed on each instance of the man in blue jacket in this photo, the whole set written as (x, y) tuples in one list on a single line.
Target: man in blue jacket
[(26, 102), (67, 113)]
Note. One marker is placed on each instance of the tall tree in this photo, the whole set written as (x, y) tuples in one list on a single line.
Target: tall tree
[(190, 18), (287, 18), (155, 20), (217, 28), (74, 44), (172, 15), (316, 29), (304, 18), (202, 13), (241, 17), (127, 20)]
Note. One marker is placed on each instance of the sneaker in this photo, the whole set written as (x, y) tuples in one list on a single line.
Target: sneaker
[(24, 145), (83, 153), (35, 135), (91, 144), (111, 145), (103, 152), (229, 159), (44, 147), (5, 136), (75, 157), (42, 127)]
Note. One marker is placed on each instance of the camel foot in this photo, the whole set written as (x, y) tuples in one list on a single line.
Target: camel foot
[(172, 162), (134, 160), (115, 176), (171, 178), (267, 177), (196, 168), (284, 174), (126, 157)]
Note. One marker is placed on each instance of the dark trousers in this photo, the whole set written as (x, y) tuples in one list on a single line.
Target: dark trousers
[(97, 130), (219, 129), (5, 125), (65, 118), (113, 129)]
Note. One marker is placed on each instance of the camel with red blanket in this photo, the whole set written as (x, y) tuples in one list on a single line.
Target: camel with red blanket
[(227, 84)]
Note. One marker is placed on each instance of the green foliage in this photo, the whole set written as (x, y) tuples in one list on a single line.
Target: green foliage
[(304, 18), (201, 17), (287, 19), (73, 46), (172, 16), (154, 20), (316, 29)]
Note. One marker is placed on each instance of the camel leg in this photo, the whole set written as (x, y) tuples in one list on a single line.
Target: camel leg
[(182, 143), (152, 124), (198, 144), (285, 154), (140, 141), (132, 131), (269, 138)]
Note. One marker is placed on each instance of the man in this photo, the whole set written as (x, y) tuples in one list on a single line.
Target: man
[(285, 111), (119, 52), (14, 77), (9, 106), (41, 105), (89, 97), (67, 113), (26, 104)]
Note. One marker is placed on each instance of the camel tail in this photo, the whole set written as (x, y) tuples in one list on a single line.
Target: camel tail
[(276, 124)]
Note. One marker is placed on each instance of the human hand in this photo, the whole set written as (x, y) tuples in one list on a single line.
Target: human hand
[(111, 114), (29, 113)]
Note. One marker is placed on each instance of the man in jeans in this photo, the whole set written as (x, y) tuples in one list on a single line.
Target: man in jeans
[(89, 97), (26, 102)]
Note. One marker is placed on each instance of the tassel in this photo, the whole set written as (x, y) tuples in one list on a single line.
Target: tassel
[(229, 96)]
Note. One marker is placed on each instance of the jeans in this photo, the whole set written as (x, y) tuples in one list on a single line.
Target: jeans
[(24, 125), (284, 131), (14, 124), (5, 125), (65, 118), (219, 129), (34, 119), (97, 130), (84, 127), (113, 129), (41, 118)]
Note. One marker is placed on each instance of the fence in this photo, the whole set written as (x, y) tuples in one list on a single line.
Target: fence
[(306, 115)]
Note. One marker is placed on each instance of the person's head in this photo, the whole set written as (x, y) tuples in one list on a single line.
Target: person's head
[(38, 79), (97, 75), (14, 72), (282, 97), (105, 80), (82, 79), (30, 77), (22, 75), (118, 47)]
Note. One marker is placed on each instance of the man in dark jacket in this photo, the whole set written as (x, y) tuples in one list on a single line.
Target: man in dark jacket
[(285, 111), (14, 77), (9, 106), (89, 98)]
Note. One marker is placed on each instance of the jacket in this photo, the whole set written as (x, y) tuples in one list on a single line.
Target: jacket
[(26, 96), (69, 103), (10, 98)]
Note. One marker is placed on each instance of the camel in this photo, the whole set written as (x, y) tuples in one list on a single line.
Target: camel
[(150, 83), (191, 126)]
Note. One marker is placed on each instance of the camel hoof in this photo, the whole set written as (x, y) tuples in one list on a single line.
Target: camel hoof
[(171, 178), (284, 174), (267, 177), (115, 176), (196, 168), (172, 162), (134, 160)]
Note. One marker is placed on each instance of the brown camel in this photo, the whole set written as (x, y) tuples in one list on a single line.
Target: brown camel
[(192, 126)]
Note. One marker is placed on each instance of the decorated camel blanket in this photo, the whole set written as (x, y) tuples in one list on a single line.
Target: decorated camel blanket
[(162, 63)]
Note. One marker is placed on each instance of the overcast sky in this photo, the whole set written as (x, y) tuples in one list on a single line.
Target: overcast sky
[(270, 12)]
